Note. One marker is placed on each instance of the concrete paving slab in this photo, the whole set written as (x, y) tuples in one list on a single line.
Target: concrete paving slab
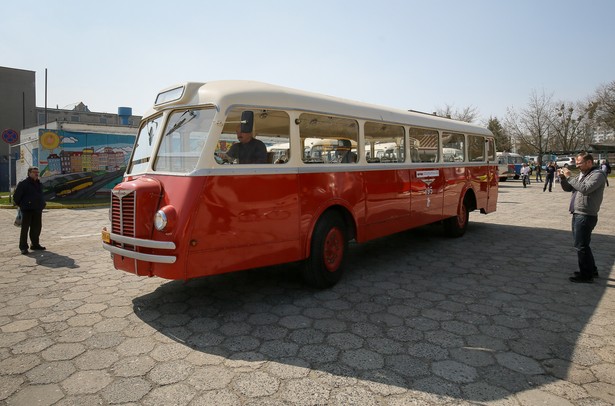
[(418, 318)]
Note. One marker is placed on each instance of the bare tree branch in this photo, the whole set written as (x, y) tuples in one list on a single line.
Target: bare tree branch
[(468, 114), (530, 125)]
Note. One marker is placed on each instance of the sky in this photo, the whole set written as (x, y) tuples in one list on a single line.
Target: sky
[(420, 55)]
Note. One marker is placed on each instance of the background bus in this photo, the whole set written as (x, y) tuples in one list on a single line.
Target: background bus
[(506, 168), (518, 161)]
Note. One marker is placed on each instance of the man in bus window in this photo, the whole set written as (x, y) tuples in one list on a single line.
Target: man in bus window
[(344, 153), (248, 150)]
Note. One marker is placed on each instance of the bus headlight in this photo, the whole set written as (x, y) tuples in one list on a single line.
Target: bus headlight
[(160, 220), (165, 218)]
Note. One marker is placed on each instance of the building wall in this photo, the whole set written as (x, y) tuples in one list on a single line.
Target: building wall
[(76, 160), (17, 111), (81, 114)]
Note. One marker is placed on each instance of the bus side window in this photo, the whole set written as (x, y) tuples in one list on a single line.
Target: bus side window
[(328, 140), (272, 127), (453, 147), (426, 144), (476, 148), (386, 141)]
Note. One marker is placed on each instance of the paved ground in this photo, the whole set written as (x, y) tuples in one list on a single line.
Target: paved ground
[(418, 320)]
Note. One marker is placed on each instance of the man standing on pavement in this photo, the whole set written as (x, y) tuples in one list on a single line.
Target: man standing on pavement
[(550, 169), (29, 197), (538, 169), (587, 191)]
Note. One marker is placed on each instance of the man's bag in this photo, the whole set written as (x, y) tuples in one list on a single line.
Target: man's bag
[(18, 218)]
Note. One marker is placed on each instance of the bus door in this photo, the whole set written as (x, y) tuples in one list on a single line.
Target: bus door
[(492, 182), (427, 190), (387, 202), (479, 173), (428, 181)]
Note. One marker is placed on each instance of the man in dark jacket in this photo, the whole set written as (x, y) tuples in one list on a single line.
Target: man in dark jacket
[(29, 197)]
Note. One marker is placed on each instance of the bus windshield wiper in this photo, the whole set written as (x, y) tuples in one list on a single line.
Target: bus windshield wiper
[(182, 122)]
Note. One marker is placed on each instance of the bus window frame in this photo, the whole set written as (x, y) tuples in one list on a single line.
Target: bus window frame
[(186, 156)]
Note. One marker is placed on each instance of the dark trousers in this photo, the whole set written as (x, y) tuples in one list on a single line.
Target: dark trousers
[(548, 181), (582, 227), (32, 222), (538, 176)]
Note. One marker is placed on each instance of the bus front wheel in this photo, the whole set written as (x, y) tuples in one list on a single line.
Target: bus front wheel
[(456, 226), (325, 265)]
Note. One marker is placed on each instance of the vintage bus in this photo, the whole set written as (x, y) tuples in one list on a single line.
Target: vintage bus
[(506, 167), (181, 212)]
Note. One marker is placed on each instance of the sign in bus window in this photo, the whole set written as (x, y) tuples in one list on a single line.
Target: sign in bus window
[(328, 139)]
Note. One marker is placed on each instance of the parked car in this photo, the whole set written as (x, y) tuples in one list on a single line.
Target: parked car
[(565, 161)]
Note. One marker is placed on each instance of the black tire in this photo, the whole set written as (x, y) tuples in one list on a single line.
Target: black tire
[(455, 227), (325, 265)]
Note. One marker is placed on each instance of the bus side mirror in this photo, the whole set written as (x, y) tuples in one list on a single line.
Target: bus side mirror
[(247, 121)]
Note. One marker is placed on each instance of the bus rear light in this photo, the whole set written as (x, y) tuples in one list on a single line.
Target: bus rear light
[(164, 219)]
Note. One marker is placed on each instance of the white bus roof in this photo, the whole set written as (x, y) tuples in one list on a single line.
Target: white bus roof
[(227, 93)]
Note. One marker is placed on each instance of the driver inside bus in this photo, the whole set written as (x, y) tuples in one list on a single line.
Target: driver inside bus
[(248, 150)]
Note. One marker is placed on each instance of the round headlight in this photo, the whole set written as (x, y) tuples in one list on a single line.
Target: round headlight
[(160, 220)]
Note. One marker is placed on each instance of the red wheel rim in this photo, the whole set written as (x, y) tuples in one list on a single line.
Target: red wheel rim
[(333, 250)]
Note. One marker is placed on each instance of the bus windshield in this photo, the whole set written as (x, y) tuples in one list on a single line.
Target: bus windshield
[(144, 145), (183, 140)]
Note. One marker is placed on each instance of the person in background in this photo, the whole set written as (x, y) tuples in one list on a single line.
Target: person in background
[(31, 201), (551, 169), (525, 175), (587, 192), (606, 168), (538, 169)]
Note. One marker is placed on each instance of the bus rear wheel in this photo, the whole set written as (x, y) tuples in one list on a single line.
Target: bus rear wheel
[(456, 226), (325, 265)]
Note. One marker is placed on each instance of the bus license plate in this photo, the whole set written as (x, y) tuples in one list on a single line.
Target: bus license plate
[(106, 236)]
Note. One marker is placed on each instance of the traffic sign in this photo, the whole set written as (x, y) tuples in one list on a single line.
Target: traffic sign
[(10, 136)]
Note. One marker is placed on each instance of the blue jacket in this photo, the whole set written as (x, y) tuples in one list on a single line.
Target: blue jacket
[(29, 195)]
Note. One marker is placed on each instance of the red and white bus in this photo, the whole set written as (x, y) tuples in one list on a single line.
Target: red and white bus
[(181, 212)]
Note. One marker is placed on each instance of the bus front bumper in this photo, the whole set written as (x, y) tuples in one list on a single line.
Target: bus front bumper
[(107, 237)]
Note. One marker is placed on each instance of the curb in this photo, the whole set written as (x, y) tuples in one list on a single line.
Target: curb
[(64, 206)]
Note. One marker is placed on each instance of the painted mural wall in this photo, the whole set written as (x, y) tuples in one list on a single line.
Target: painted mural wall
[(80, 165)]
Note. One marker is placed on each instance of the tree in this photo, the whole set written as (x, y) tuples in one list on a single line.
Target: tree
[(502, 140), (468, 114), (568, 123), (602, 108), (531, 125)]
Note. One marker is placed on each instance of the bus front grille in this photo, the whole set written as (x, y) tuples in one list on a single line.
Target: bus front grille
[(123, 213)]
